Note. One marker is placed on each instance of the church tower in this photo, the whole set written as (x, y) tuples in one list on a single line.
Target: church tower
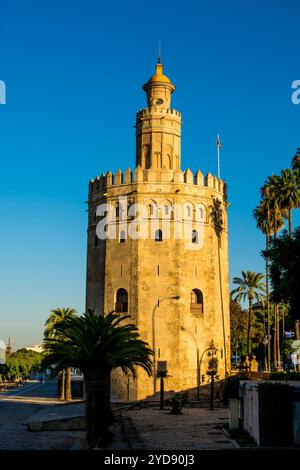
[(164, 257), (9, 349)]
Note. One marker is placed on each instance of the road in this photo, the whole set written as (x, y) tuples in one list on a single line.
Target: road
[(17, 405)]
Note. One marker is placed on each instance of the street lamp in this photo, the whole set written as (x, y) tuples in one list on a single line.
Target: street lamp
[(210, 348), (176, 297)]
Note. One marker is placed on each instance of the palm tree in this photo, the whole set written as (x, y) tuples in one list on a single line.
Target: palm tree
[(265, 222), (162, 375), (250, 287), (296, 160), (272, 193), (57, 316), (289, 195), (96, 345)]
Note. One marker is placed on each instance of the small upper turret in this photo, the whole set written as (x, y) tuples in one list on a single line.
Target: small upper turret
[(159, 88)]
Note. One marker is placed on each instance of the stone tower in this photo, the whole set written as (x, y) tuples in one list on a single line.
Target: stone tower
[(171, 275), (9, 349)]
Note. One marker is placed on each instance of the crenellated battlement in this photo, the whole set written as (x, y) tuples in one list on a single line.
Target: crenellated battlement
[(154, 176), (144, 113)]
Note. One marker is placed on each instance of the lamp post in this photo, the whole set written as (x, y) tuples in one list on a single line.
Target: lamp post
[(210, 348), (176, 297)]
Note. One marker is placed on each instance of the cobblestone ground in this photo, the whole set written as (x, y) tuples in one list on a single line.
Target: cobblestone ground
[(196, 428), (16, 407)]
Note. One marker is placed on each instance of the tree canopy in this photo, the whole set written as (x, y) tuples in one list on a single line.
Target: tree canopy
[(284, 255), (22, 362)]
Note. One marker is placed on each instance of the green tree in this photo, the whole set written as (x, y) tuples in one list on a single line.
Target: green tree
[(296, 160), (29, 361), (162, 375), (97, 345), (289, 193), (23, 362), (56, 317), (269, 223), (238, 329), (284, 255), (271, 197), (250, 287)]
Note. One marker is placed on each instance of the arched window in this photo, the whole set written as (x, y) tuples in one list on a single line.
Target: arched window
[(166, 209), (158, 236), (130, 211), (121, 301), (187, 211), (122, 238), (201, 213), (117, 211), (196, 302), (195, 238), (151, 209)]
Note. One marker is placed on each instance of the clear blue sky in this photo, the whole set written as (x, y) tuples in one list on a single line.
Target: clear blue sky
[(74, 71)]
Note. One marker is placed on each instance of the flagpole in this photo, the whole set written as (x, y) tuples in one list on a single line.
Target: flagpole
[(218, 147)]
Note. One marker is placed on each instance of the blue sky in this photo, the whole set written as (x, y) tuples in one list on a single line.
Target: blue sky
[(74, 72)]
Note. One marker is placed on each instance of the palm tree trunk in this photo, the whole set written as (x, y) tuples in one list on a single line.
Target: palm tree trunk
[(97, 412), (68, 384), (249, 328), (283, 339), (268, 304), (278, 339), (275, 345), (110, 416), (290, 223), (88, 409), (297, 331), (63, 385), (162, 392), (275, 337)]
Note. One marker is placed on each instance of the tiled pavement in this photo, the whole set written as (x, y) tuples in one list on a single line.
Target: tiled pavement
[(149, 428), (196, 428)]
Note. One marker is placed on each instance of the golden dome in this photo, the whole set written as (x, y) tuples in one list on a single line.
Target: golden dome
[(158, 77)]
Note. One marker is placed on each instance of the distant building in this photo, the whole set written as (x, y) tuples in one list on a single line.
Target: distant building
[(2, 352), (9, 349), (37, 348)]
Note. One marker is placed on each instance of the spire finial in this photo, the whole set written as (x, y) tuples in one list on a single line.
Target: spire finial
[(159, 52)]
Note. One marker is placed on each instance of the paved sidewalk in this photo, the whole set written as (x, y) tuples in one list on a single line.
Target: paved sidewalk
[(20, 404), (15, 436), (196, 428), (59, 418)]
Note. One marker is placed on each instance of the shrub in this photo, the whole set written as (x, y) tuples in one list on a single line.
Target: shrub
[(230, 388), (278, 376), (285, 376)]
